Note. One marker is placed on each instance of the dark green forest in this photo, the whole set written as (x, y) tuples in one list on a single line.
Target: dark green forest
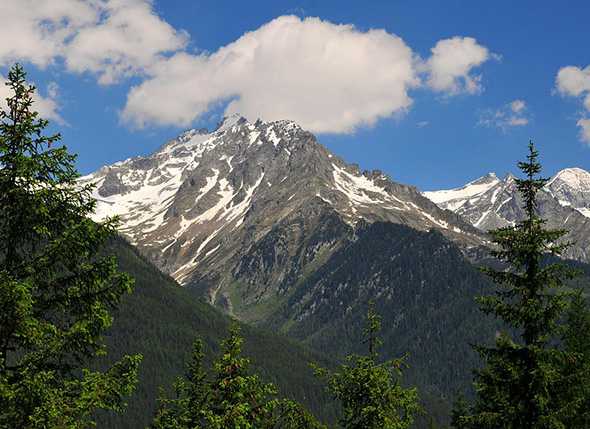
[(161, 320)]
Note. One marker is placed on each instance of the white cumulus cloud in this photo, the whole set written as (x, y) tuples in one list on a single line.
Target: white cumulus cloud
[(110, 38), (327, 77), (450, 68), (127, 39), (574, 81)]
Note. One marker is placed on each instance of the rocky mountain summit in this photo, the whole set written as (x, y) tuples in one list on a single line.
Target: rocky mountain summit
[(490, 202), (571, 188), (257, 204)]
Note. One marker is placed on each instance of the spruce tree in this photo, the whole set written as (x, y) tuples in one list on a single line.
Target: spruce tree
[(239, 399), (55, 290), (519, 383), (370, 392)]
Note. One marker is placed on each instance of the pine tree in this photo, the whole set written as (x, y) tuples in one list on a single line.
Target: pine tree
[(288, 414), (370, 392), (239, 399), (518, 384), (55, 289)]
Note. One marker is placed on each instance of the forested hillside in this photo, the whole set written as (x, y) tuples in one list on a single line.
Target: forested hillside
[(161, 319)]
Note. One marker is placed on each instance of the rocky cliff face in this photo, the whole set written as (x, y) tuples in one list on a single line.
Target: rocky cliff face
[(248, 210)]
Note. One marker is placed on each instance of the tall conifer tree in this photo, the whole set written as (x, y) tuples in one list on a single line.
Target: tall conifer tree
[(370, 392), (55, 290), (518, 384)]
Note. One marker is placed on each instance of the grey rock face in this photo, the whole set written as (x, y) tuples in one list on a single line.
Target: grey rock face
[(489, 203), (247, 211)]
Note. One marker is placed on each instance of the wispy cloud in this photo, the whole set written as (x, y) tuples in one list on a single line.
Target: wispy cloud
[(513, 114)]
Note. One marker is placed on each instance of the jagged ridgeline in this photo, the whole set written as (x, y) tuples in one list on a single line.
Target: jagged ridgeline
[(490, 202)]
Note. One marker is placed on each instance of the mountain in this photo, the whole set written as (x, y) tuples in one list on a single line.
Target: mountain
[(423, 287), (245, 212), (489, 203)]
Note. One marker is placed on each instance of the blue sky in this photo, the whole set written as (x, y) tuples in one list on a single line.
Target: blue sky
[(416, 123)]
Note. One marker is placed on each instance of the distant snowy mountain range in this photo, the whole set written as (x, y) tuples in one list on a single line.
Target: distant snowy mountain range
[(490, 202)]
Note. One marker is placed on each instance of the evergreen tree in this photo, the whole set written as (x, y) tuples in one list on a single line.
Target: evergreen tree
[(233, 398), (522, 373), (370, 392), (55, 291)]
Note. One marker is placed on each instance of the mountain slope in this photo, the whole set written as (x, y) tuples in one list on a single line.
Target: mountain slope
[(489, 203), (423, 287)]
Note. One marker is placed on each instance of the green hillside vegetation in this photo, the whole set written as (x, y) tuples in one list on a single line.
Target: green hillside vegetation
[(424, 289), (161, 320)]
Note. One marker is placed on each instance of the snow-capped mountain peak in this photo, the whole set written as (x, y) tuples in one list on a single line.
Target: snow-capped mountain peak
[(454, 198), (575, 178), (571, 187), (207, 196), (229, 121)]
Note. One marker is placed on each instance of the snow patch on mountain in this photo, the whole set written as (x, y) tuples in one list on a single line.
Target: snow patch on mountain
[(455, 198)]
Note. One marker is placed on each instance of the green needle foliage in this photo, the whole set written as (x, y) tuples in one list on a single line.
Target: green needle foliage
[(55, 292), (192, 393), (232, 399), (370, 393), (525, 376), (238, 399)]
